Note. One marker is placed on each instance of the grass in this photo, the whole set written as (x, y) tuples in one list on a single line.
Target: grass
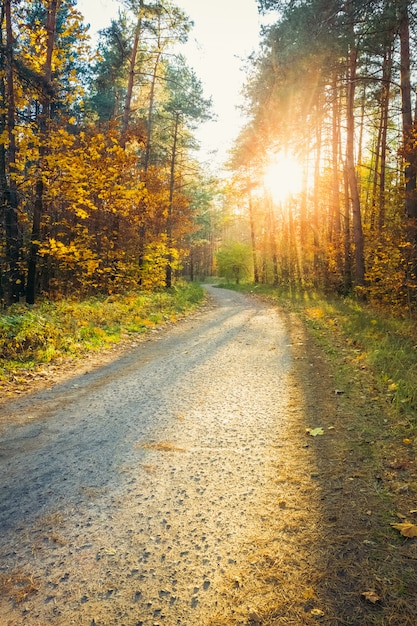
[(17, 585), (330, 544), (52, 331)]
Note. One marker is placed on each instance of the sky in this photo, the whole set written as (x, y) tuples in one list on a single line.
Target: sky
[(225, 33)]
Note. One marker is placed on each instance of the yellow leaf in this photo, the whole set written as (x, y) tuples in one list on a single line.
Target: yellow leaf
[(371, 596), (407, 441), (406, 529), (315, 431)]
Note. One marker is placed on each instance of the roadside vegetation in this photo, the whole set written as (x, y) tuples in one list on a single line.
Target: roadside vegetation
[(346, 485), (50, 332)]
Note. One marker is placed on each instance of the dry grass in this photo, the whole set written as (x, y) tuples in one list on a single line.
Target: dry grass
[(17, 585), (160, 446)]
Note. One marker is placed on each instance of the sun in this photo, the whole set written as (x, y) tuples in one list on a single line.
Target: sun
[(282, 177)]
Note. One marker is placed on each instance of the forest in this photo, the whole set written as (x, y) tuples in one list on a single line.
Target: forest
[(331, 99), (101, 188)]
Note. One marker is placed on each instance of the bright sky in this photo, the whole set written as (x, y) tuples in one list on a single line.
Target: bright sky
[(225, 33)]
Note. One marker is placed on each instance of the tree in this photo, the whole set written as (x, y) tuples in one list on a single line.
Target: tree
[(12, 282), (185, 108), (233, 261)]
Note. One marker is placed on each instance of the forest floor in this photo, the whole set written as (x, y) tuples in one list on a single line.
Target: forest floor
[(325, 549)]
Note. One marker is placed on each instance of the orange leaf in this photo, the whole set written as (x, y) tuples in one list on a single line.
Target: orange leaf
[(406, 529)]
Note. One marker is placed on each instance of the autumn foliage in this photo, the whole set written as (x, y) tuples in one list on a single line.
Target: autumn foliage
[(94, 165)]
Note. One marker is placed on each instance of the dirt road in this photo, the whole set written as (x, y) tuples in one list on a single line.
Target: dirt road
[(129, 493)]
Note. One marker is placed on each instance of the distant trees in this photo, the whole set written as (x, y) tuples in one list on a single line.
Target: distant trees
[(332, 84), (96, 172)]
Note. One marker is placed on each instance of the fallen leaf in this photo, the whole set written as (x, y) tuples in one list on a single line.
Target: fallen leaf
[(317, 613), (371, 596), (309, 593), (407, 441), (406, 529), (315, 431)]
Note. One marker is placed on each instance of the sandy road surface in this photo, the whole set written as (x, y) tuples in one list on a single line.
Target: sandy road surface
[(129, 493)]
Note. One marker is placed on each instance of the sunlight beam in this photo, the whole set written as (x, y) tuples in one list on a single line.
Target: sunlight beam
[(282, 177)]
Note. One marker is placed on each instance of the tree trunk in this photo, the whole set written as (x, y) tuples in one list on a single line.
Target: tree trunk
[(150, 110), (386, 85), (351, 171), (12, 280), (316, 200), (131, 78), (253, 240), (168, 272), (44, 118), (335, 219), (407, 118)]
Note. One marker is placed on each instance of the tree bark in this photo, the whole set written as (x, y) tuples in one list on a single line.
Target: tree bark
[(44, 118), (131, 78), (12, 280), (168, 271), (253, 239), (351, 171), (406, 109), (335, 222)]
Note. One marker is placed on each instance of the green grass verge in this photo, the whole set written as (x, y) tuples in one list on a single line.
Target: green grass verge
[(51, 331)]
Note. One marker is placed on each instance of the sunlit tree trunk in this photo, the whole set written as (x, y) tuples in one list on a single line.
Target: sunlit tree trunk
[(131, 77), (168, 271), (335, 220), (347, 256), (316, 204), (407, 116), (386, 88), (253, 238), (351, 170)]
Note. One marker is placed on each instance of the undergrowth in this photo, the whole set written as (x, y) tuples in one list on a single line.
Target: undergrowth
[(51, 331)]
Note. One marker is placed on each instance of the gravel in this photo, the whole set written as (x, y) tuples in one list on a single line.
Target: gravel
[(130, 494)]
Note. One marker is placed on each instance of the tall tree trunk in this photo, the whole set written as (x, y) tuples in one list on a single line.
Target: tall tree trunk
[(406, 108), (131, 78), (168, 272), (316, 205), (351, 170), (253, 239), (386, 87), (13, 283), (335, 222), (44, 118), (273, 240), (347, 248), (150, 109)]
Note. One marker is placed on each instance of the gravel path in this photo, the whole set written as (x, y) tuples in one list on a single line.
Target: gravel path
[(131, 492)]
